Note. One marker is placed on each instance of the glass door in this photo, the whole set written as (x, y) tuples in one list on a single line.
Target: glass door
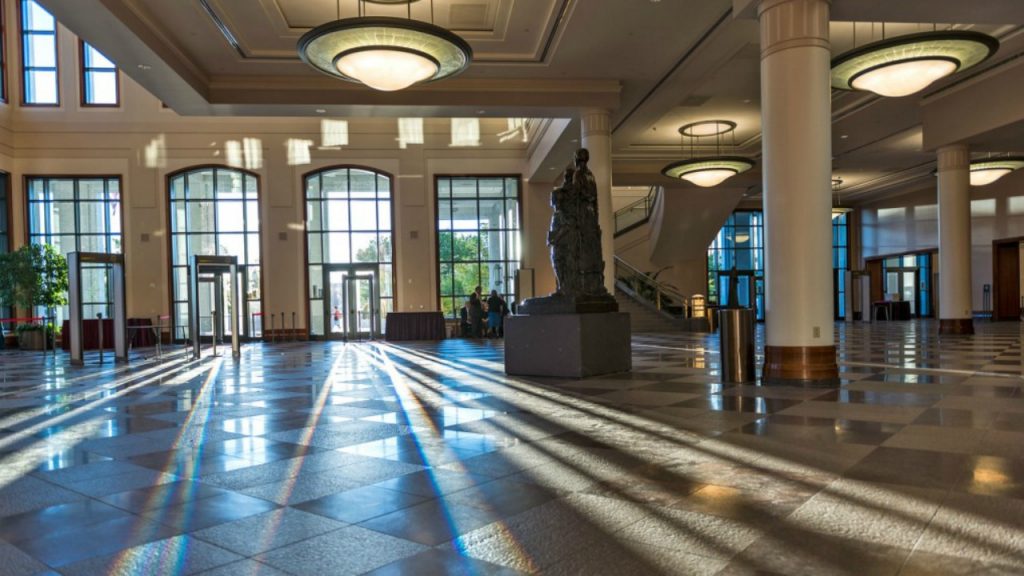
[(360, 319), (909, 288), (351, 309)]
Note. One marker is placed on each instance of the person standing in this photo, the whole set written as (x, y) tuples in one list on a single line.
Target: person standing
[(475, 311), (494, 308)]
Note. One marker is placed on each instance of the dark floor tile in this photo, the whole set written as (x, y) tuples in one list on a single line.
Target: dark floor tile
[(100, 539), (198, 514), (360, 504), (718, 403), (442, 562), (57, 520), (164, 495), (922, 468), (431, 523)]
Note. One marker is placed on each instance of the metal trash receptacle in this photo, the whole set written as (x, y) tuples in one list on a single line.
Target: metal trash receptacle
[(736, 335)]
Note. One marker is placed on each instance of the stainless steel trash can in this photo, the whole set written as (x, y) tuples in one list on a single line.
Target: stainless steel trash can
[(736, 334)]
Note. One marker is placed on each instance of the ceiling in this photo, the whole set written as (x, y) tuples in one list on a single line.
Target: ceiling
[(656, 64)]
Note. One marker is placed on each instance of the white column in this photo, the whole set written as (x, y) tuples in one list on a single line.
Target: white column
[(597, 139), (796, 119), (954, 240)]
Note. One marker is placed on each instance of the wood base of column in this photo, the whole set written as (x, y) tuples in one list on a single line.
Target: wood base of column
[(961, 326), (800, 364)]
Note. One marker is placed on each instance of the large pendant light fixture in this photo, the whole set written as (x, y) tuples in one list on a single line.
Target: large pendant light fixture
[(384, 53), (905, 65), (707, 171), (987, 170), (838, 210)]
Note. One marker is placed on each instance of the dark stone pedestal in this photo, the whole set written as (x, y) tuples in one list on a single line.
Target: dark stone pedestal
[(567, 345), (559, 304)]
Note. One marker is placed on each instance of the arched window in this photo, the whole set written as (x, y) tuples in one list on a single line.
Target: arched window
[(349, 251), (215, 211)]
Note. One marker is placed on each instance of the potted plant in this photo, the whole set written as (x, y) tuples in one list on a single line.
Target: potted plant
[(33, 275)]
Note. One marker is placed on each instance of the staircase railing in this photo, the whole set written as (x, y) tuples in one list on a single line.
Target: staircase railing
[(662, 296), (636, 213)]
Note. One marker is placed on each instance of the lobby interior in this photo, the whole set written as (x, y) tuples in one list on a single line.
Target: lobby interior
[(883, 434)]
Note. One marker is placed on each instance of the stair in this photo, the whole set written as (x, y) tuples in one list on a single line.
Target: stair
[(644, 318)]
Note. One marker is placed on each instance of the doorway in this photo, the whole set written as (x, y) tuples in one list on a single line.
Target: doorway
[(1006, 279), (351, 306), (749, 291)]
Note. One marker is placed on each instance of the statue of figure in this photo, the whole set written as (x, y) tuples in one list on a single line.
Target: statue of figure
[(575, 235), (563, 236)]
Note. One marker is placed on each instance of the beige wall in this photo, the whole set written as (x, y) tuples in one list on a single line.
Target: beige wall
[(142, 142), (910, 222)]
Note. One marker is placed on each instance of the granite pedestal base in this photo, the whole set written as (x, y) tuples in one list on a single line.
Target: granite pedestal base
[(567, 345)]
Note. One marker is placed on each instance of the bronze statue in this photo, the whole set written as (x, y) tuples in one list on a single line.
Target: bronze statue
[(575, 243)]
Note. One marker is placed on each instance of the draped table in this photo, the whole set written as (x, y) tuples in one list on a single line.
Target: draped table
[(415, 326)]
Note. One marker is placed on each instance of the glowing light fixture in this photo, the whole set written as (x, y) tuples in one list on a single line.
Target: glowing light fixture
[(905, 65), (384, 53), (988, 170), (707, 171)]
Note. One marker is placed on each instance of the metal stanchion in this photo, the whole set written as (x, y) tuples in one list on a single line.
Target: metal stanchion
[(99, 329), (295, 335), (273, 333), (213, 317)]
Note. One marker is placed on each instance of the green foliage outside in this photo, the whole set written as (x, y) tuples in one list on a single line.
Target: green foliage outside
[(34, 275), (461, 270)]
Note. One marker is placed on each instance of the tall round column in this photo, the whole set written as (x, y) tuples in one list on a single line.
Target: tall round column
[(596, 137), (955, 240), (796, 119)]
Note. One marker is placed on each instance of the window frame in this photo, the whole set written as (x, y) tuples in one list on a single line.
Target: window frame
[(83, 73), (509, 293), (25, 69), (184, 173), (28, 203), (3, 53), (304, 182)]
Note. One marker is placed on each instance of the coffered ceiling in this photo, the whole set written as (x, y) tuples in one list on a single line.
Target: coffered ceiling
[(656, 64)]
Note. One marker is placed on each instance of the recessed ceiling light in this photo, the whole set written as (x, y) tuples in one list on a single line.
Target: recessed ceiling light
[(844, 136), (321, 111), (144, 66)]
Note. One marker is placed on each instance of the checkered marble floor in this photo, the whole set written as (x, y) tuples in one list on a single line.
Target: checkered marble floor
[(331, 458)]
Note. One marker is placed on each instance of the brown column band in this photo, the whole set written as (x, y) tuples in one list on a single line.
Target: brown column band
[(956, 326), (800, 363)]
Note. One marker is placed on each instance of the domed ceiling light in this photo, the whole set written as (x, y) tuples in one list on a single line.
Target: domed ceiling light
[(987, 170), (384, 53), (905, 65), (838, 210), (707, 171)]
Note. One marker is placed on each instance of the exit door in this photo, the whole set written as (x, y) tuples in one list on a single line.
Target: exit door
[(352, 309)]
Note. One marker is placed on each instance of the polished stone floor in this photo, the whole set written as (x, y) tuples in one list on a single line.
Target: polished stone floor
[(425, 459)]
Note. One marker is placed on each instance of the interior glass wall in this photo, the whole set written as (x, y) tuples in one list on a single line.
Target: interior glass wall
[(740, 246), (478, 238), (348, 226), (909, 278), (840, 261), (215, 211), (78, 215)]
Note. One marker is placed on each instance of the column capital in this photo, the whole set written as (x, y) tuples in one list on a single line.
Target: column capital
[(953, 157), (595, 121), (793, 23)]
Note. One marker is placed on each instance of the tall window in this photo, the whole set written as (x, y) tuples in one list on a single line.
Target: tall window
[(3, 52), (840, 261), (478, 238), (99, 78), (78, 215), (348, 223), (215, 211), (39, 55), (739, 245), (5, 234)]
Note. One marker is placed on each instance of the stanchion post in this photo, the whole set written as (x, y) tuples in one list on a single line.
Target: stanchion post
[(213, 316), (295, 335), (273, 334), (99, 329)]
